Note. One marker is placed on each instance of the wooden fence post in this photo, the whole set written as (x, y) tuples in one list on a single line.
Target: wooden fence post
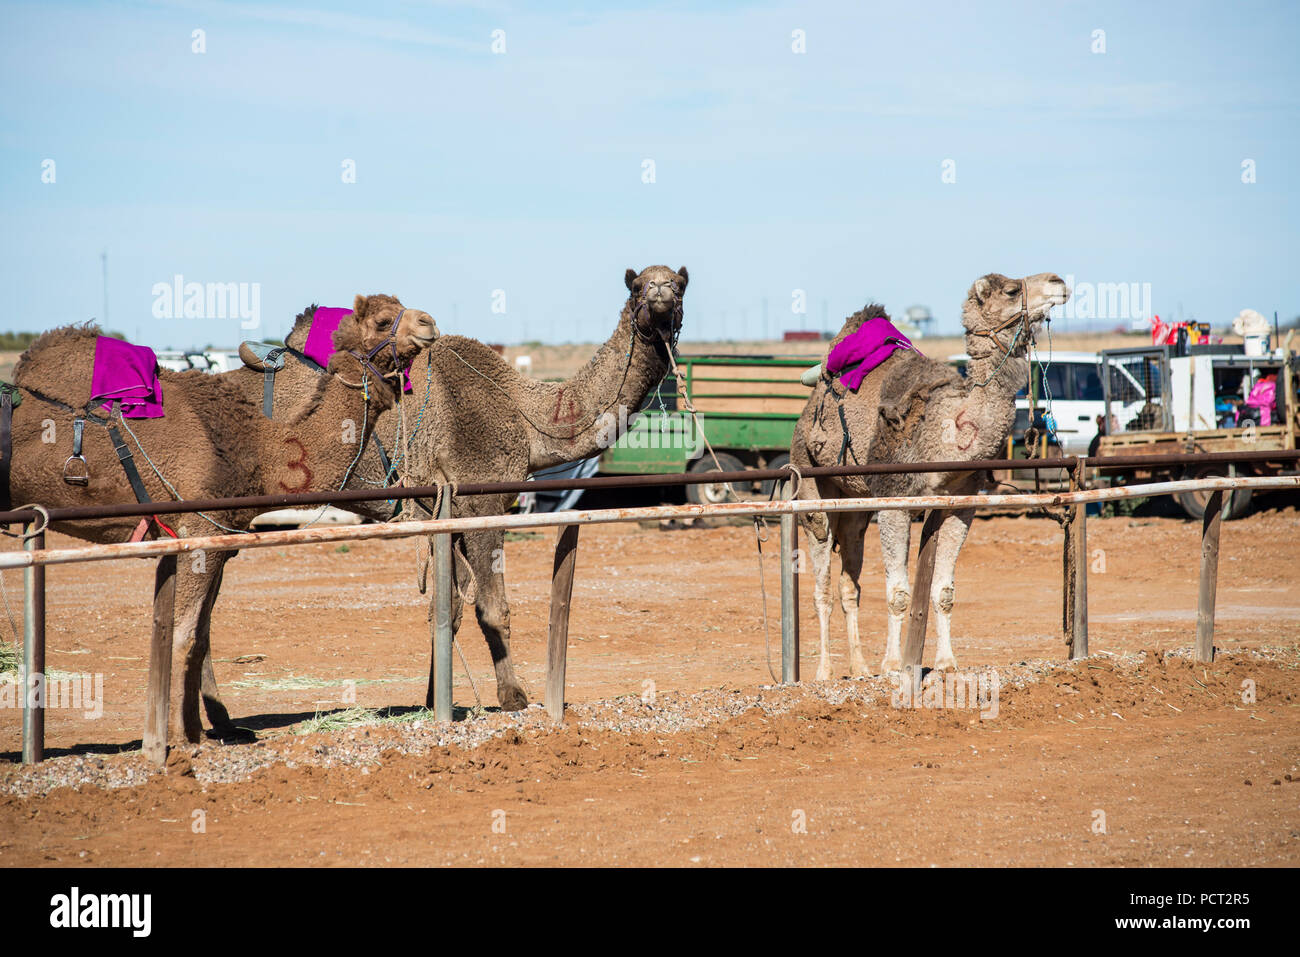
[(1079, 587), (158, 701), (442, 637), (557, 637), (919, 615), (1209, 576), (33, 685), (789, 594)]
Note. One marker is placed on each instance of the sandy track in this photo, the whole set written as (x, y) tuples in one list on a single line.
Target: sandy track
[(1162, 747)]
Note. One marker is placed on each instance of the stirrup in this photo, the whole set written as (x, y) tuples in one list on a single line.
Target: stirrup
[(74, 479), (82, 479)]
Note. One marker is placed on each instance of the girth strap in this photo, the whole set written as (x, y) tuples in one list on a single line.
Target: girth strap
[(128, 462), (268, 381), (6, 446), (846, 446)]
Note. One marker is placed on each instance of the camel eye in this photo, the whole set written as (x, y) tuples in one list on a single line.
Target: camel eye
[(1014, 290)]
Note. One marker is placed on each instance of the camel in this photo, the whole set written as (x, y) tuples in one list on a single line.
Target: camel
[(914, 409), (463, 431), (483, 421), (213, 441)]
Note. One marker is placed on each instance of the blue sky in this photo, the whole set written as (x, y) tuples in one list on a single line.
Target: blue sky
[(522, 171)]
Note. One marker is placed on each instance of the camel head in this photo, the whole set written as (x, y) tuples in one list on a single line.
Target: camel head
[(1005, 313), (381, 337), (656, 302)]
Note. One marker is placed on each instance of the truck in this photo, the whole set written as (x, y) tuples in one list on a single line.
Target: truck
[(1163, 399), (747, 405)]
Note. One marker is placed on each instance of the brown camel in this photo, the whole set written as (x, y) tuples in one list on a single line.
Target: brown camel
[(213, 441), (475, 419), (914, 409)]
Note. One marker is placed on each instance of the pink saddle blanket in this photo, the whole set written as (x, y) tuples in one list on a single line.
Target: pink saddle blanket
[(861, 351), (127, 374), (320, 339)]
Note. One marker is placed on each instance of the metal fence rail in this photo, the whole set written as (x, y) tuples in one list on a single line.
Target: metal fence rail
[(34, 558)]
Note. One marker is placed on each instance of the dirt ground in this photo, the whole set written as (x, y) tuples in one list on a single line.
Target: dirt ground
[(1136, 756)]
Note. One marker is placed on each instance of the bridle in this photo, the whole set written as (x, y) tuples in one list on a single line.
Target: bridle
[(1020, 318), (366, 364), (641, 313)]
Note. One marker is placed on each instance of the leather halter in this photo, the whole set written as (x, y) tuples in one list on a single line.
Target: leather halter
[(389, 340), (641, 311), (1021, 318)]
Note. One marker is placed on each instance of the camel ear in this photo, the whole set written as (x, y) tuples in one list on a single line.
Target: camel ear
[(359, 306), (629, 278), (686, 277), (981, 289)]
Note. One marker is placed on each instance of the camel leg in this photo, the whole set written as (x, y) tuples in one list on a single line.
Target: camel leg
[(895, 537), (821, 559), (493, 610), (850, 528), (952, 534), (192, 600), (216, 711)]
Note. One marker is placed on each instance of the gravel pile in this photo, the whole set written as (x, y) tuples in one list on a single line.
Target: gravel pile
[(364, 746)]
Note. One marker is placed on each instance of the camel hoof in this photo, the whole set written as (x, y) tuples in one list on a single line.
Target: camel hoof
[(945, 664), (891, 666), (512, 699), (860, 670), (823, 673)]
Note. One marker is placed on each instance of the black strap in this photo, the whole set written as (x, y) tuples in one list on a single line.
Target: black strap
[(128, 463), (6, 446), (78, 430), (846, 447), (268, 382)]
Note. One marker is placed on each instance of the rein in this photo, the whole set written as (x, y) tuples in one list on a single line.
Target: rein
[(1021, 321)]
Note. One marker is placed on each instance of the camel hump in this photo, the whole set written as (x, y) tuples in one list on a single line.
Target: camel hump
[(907, 378), (60, 364)]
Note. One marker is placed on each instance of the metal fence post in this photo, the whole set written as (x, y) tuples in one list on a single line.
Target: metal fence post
[(1079, 589), (33, 687), (789, 593), (442, 637), (1209, 576)]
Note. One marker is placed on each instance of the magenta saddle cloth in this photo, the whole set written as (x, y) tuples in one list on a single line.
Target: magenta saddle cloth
[(127, 374), (861, 351), (320, 339)]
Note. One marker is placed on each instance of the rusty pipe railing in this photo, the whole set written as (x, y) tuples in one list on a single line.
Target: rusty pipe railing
[(346, 496)]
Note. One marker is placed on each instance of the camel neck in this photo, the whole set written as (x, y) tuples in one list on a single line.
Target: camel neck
[(572, 419)]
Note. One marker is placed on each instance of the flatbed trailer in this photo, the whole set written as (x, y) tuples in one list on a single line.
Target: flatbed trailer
[(1169, 398), (747, 405)]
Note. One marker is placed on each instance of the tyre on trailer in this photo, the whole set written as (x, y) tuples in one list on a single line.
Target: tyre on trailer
[(1193, 503), (776, 462), (714, 493)]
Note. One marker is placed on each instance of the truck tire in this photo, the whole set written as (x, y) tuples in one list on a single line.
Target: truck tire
[(1193, 503), (713, 494), (777, 461)]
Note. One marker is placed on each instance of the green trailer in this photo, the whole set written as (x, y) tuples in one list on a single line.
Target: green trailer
[(747, 405)]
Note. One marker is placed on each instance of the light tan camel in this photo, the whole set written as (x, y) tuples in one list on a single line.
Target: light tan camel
[(212, 442), (914, 409)]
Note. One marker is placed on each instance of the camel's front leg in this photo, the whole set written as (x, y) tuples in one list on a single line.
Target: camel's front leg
[(821, 558), (850, 527), (486, 554), (198, 578), (952, 534), (895, 537)]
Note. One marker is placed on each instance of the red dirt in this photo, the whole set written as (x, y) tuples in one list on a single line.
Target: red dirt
[(1181, 766)]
